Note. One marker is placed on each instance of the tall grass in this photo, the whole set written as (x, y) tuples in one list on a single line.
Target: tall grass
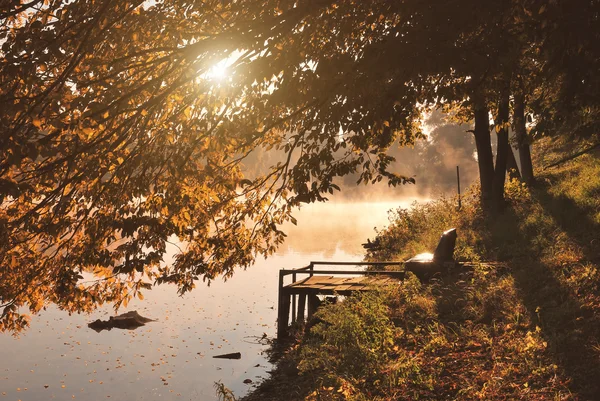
[(525, 327)]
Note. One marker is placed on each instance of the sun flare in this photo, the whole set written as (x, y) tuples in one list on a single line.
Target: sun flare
[(218, 71)]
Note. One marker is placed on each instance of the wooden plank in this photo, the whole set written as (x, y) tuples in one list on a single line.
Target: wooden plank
[(354, 280), (320, 279), (307, 282), (329, 288), (340, 280), (343, 287), (327, 280), (317, 279), (385, 263), (399, 274), (377, 281), (375, 284), (370, 280), (298, 282), (308, 287), (333, 284), (325, 287), (311, 283)]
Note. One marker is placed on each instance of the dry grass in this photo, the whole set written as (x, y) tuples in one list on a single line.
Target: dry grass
[(526, 328)]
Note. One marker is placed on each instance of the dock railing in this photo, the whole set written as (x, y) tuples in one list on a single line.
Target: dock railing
[(298, 301)]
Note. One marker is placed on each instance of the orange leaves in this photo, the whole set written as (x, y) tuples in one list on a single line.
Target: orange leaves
[(89, 132), (136, 146)]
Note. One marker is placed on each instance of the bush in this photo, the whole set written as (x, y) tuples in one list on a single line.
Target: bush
[(352, 339), (418, 229)]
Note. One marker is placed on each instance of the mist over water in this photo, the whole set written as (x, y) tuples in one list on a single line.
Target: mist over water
[(431, 162), (338, 226), (59, 357)]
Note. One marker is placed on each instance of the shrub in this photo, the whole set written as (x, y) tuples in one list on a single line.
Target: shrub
[(352, 339)]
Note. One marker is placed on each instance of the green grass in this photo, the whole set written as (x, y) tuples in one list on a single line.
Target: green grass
[(526, 327)]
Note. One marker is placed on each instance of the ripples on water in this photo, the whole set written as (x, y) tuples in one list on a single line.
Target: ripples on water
[(60, 358)]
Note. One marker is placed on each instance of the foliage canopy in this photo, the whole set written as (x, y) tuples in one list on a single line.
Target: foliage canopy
[(117, 139)]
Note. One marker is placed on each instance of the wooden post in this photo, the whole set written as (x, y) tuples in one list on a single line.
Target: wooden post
[(458, 183), (311, 268), (313, 304), (301, 307), (283, 309), (293, 300)]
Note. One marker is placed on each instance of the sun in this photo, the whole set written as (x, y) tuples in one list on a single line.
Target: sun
[(218, 71)]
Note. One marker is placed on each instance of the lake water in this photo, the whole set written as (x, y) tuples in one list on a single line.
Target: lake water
[(60, 358)]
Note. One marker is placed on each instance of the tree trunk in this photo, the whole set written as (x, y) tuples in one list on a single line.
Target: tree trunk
[(501, 153), (511, 165), (522, 142), (485, 158)]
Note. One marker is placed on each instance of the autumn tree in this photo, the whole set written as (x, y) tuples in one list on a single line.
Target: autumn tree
[(118, 137), (566, 36)]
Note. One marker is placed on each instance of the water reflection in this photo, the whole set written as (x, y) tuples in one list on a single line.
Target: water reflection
[(59, 357)]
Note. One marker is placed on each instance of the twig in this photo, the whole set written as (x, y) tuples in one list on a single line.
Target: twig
[(573, 156)]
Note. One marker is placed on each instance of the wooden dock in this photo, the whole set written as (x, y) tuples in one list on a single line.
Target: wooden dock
[(307, 283)]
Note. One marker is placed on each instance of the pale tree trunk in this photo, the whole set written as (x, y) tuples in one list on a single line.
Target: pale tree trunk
[(501, 153), (485, 158), (521, 134), (511, 165)]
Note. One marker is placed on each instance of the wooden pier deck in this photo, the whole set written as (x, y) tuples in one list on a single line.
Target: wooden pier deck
[(329, 285), (301, 294)]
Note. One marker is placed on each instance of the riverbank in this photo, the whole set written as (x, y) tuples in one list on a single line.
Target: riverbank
[(523, 327)]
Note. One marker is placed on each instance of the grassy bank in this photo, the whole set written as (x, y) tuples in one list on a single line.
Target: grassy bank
[(526, 326)]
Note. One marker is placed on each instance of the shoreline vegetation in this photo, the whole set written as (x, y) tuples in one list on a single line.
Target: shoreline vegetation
[(524, 325)]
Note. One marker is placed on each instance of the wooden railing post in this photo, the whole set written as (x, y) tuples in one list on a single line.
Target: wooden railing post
[(293, 300), (283, 309), (301, 307), (313, 304)]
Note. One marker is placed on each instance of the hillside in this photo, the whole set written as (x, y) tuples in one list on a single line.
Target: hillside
[(523, 325)]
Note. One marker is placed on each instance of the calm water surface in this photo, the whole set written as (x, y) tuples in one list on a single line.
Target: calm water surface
[(60, 358)]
